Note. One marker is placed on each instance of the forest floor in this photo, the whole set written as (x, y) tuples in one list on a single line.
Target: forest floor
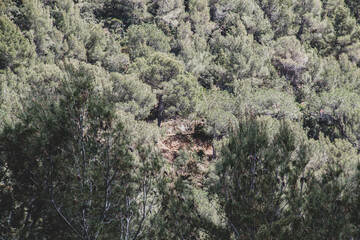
[(180, 137)]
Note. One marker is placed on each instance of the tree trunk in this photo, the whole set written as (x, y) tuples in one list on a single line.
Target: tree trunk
[(160, 110), (213, 144), (301, 29)]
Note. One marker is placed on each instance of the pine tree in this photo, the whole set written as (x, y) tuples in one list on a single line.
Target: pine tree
[(335, 114), (15, 49), (157, 70), (218, 109), (192, 49), (144, 40), (290, 58), (168, 12), (130, 12), (255, 176), (132, 95), (181, 97), (73, 167), (280, 15), (272, 103), (237, 56)]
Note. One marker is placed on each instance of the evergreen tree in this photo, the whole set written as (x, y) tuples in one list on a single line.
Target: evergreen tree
[(335, 114), (83, 81), (132, 95), (15, 49), (235, 59), (169, 12), (73, 173), (281, 16), (181, 97), (272, 103), (192, 49), (290, 58), (255, 176), (129, 11), (218, 109), (143, 40), (157, 70)]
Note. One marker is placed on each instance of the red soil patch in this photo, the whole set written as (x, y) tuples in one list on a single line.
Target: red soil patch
[(180, 136)]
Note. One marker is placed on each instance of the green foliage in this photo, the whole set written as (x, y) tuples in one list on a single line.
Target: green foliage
[(144, 39), (180, 218), (168, 11), (272, 103), (354, 7), (82, 83), (335, 114), (181, 96), (325, 209), (255, 175), (235, 54), (114, 59), (250, 13), (192, 49), (280, 15), (84, 180), (218, 108), (157, 69), (289, 57), (129, 12), (15, 49), (200, 17), (133, 95)]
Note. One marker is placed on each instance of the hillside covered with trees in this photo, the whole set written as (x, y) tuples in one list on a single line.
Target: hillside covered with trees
[(179, 119)]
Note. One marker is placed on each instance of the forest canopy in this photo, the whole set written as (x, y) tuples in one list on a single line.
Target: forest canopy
[(179, 119)]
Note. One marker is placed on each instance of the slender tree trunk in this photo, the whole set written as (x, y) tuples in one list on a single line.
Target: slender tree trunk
[(301, 29), (213, 144), (160, 110)]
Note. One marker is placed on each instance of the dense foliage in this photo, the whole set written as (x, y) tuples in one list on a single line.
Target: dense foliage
[(86, 87)]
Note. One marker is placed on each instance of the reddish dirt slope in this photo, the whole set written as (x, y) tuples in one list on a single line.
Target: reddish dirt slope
[(180, 135)]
